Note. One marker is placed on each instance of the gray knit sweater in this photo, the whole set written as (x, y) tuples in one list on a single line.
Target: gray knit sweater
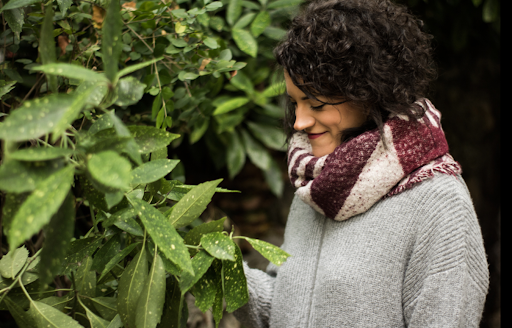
[(412, 260)]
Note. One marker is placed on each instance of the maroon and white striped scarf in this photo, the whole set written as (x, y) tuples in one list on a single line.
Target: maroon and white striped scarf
[(361, 171)]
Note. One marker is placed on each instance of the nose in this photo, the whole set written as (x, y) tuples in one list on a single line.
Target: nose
[(303, 118)]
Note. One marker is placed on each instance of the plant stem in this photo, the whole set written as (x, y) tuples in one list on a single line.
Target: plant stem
[(7, 289)]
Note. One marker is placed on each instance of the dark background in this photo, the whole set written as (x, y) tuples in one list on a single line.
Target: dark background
[(467, 92)]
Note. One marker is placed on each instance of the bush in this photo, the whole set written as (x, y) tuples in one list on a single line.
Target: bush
[(87, 140)]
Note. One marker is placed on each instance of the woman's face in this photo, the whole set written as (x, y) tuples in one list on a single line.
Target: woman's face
[(322, 123)]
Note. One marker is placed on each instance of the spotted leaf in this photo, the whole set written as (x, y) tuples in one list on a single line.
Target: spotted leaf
[(150, 139), (272, 253), (130, 288), (35, 118), (219, 245), (152, 171), (39, 207), (201, 262), (193, 204), (235, 284), (152, 298), (163, 234), (13, 261)]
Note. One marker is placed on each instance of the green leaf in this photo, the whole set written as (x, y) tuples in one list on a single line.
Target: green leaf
[(217, 307), (244, 20), (275, 89), (15, 19), (235, 283), (23, 320), (129, 91), (71, 113), (230, 105), (112, 43), (152, 298), (18, 4), (136, 67), (219, 246), (64, 5), (150, 139), (96, 96), (110, 170), (18, 177), (211, 43), (271, 136), (242, 82), (201, 262), (274, 33), (106, 307), (39, 207), (117, 258), (106, 253), (213, 6), (206, 288), (173, 307), (193, 204), (256, 152), (283, 4), (116, 322), (71, 72), (491, 10), (49, 317), (245, 41), (235, 154), (91, 194), (35, 117), (6, 88), (40, 154), (152, 171), (260, 23), (78, 249), (12, 262), (234, 11), (274, 178), (58, 236), (199, 130), (271, 252), (113, 198), (130, 288), (163, 234), (193, 237), (57, 302), (47, 46), (95, 321)]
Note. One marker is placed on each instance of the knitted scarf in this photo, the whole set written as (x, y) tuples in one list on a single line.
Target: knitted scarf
[(362, 171)]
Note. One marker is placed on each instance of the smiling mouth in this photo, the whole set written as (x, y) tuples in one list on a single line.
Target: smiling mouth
[(315, 135)]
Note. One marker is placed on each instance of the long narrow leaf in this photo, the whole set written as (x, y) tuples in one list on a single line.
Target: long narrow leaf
[(152, 298), (47, 46), (136, 67), (39, 207), (47, 316), (71, 71), (58, 238), (18, 4), (111, 43), (163, 234), (130, 287), (193, 204)]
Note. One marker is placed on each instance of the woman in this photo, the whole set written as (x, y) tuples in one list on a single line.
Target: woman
[(382, 230)]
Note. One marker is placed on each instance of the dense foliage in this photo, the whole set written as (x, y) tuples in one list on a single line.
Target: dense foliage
[(82, 136)]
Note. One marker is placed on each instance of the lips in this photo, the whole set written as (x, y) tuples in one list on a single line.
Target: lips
[(315, 135)]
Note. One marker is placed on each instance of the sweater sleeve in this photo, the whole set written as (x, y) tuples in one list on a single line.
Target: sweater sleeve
[(447, 277), (256, 313)]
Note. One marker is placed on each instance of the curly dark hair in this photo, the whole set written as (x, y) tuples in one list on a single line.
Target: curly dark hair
[(370, 52)]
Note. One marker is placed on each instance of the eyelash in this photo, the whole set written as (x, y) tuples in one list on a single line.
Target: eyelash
[(294, 104)]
